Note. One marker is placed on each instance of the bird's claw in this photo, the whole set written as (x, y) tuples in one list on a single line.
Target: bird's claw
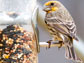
[(61, 43), (49, 42)]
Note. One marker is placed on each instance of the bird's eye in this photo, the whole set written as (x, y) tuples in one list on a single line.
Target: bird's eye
[(52, 4)]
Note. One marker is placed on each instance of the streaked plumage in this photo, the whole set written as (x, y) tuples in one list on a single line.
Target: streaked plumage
[(61, 26)]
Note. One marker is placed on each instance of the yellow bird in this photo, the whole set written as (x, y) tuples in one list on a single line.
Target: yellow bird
[(61, 26)]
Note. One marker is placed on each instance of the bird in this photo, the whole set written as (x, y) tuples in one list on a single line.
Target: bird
[(62, 27)]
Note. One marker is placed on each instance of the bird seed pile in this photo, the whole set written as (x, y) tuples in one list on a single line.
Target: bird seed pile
[(16, 45)]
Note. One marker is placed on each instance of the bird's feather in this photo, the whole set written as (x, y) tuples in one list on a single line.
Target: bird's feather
[(65, 27)]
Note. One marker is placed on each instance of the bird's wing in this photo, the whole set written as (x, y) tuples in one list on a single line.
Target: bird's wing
[(65, 27)]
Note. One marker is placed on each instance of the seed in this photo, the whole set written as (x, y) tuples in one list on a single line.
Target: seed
[(6, 56)]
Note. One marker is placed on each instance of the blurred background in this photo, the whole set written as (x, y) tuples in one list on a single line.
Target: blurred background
[(53, 55)]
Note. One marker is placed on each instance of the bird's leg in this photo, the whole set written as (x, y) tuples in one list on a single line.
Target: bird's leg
[(49, 42), (61, 43)]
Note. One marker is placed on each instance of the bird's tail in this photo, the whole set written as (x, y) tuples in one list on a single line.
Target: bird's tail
[(70, 54)]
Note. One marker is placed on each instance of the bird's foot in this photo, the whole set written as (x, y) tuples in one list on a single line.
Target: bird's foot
[(61, 44), (49, 42)]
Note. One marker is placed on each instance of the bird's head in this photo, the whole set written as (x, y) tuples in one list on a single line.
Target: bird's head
[(51, 6)]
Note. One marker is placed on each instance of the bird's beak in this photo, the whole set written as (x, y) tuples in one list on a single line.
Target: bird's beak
[(46, 9)]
